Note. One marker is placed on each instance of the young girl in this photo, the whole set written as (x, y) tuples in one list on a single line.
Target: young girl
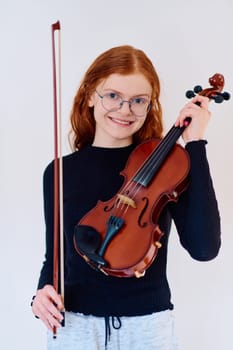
[(116, 108)]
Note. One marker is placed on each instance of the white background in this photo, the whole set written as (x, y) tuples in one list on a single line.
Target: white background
[(188, 41)]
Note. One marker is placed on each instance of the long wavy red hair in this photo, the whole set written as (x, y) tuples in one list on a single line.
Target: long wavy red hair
[(123, 60)]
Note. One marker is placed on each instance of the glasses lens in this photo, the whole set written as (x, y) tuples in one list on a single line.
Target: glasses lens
[(111, 101), (140, 106)]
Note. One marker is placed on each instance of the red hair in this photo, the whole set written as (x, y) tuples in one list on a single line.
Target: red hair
[(123, 60)]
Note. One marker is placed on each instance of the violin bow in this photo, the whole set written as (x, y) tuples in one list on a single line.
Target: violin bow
[(58, 264)]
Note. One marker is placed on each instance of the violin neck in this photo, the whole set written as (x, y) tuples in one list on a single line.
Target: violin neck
[(153, 163)]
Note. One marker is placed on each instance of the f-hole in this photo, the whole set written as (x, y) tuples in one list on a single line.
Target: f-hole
[(140, 218)]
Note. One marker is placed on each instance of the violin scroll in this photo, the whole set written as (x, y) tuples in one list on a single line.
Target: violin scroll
[(214, 92)]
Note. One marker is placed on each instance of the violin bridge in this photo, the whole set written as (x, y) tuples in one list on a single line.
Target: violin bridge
[(126, 200)]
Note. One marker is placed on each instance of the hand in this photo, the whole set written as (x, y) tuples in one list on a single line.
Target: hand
[(200, 116), (47, 305)]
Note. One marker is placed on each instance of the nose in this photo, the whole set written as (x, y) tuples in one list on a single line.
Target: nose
[(125, 107)]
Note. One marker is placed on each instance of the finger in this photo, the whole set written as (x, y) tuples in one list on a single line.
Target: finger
[(191, 110), (43, 304), (48, 297), (186, 112), (203, 101), (52, 321), (53, 310), (47, 307), (54, 296), (49, 318)]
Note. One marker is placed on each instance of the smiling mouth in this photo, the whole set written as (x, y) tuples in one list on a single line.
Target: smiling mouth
[(120, 121)]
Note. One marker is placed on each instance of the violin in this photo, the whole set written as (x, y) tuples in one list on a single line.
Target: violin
[(121, 237)]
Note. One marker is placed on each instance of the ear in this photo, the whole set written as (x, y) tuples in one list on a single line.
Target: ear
[(91, 101)]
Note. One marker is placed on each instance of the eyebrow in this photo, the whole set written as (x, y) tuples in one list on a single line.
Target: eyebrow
[(119, 93)]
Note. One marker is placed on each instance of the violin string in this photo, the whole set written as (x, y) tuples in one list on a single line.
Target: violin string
[(132, 187), (156, 158), (149, 163)]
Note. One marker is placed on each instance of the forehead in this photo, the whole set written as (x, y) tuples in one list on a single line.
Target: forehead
[(128, 85)]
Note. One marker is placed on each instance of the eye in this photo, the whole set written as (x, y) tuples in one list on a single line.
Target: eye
[(139, 101), (112, 96)]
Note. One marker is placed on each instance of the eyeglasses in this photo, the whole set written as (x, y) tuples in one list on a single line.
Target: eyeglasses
[(112, 102)]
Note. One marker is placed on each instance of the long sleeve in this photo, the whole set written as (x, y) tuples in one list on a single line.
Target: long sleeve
[(196, 214), (46, 275)]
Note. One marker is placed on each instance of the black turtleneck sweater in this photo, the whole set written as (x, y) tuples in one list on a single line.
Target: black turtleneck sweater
[(92, 174)]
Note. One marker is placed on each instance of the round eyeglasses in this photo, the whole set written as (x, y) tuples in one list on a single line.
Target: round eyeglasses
[(112, 102)]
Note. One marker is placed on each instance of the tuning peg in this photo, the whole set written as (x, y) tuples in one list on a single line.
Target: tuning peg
[(197, 89), (189, 94), (218, 98), (226, 96)]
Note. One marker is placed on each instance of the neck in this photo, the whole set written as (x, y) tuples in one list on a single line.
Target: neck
[(112, 143)]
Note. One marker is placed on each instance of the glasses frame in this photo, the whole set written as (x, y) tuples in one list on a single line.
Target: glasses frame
[(121, 104)]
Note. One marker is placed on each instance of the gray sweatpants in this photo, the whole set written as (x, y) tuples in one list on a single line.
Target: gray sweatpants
[(150, 332)]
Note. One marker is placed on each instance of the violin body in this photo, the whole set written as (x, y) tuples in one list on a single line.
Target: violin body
[(134, 246)]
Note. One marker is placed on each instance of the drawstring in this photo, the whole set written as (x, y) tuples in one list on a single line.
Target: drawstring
[(116, 324)]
